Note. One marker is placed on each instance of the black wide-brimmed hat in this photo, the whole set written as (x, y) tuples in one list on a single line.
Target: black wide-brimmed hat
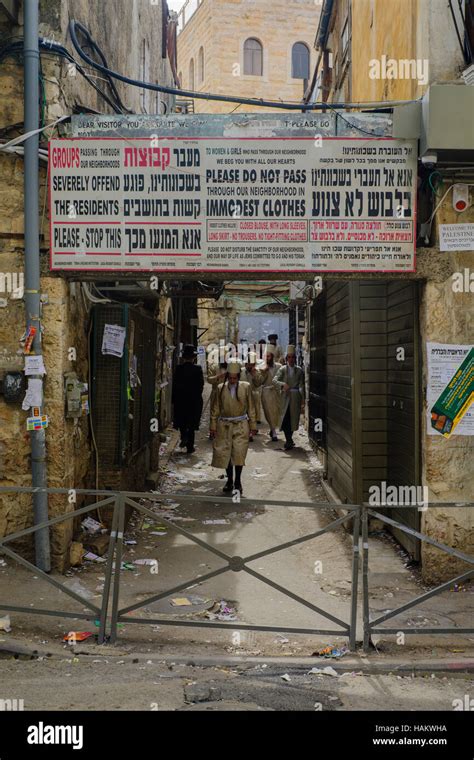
[(189, 352)]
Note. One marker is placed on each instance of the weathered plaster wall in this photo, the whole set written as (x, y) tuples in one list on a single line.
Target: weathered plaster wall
[(407, 29)]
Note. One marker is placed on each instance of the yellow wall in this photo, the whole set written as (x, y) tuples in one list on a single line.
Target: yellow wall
[(379, 30)]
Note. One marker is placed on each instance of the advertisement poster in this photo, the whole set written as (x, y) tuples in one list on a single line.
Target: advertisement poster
[(444, 359)]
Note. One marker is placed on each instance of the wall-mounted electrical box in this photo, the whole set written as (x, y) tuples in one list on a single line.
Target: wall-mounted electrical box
[(73, 396), (447, 119)]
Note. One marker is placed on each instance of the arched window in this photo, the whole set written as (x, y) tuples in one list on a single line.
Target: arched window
[(191, 74), (253, 57), (180, 77), (300, 61), (201, 65)]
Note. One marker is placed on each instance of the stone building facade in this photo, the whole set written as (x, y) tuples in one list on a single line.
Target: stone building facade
[(130, 33), (353, 40), (212, 50)]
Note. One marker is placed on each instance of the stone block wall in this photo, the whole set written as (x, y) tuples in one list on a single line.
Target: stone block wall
[(123, 29), (221, 27)]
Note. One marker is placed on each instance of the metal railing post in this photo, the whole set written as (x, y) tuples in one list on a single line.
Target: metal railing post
[(355, 580), (365, 577), (118, 563), (108, 575)]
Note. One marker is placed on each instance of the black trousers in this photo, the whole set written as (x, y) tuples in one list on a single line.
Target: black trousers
[(286, 426), (187, 436)]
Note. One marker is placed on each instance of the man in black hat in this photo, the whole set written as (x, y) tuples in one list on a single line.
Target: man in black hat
[(188, 384), (273, 341)]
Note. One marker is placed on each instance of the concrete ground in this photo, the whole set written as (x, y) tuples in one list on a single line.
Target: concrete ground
[(94, 682), (318, 570)]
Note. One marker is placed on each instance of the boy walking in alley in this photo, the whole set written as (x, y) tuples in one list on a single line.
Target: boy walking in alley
[(232, 422)]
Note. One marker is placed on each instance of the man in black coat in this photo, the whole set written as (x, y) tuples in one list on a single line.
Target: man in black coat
[(188, 384)]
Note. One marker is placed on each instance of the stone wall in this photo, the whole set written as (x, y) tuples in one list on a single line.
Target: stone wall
[(221, 27), (116, 25), (219, 319), (447, 316)]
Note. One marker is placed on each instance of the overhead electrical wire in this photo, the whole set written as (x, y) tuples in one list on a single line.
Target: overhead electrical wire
[(76, 26), (54, 49)]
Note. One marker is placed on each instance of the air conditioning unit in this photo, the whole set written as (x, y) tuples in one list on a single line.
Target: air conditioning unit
[(468, 74), (297, 291), (447, 121)]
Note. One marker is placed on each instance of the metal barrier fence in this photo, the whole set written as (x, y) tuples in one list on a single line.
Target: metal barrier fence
[(108, 624), (372, 625)]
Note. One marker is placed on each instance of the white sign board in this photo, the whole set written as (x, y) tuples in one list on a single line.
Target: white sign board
[(443, 361), (233, 204), (456, 237)]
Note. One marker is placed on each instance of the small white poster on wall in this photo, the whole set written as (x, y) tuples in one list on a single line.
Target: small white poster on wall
[(456, 237), (113, 340), (443, 361)]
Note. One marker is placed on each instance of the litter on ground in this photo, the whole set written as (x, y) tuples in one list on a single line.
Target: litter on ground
[(181, 602), (93, 557), (92, 526), (73, 636), (331, 652), (221, 611), (324, 672)]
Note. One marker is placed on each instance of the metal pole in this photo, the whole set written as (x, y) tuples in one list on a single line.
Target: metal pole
[(32, 264), (355, 580), (365, 577), (120, 508), (108, 573)]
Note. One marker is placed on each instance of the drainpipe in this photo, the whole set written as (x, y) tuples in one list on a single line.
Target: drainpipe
[(32, 263)]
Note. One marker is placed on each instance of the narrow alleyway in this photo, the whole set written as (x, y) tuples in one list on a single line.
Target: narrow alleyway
[(239, 529), (318, 570), (173, 668)]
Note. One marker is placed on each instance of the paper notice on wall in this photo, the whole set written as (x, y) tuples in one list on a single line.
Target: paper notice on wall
[(443, 361), (456, 237), (113, 340), (34, 365), (34, 394), (201, 357), (37, 423)]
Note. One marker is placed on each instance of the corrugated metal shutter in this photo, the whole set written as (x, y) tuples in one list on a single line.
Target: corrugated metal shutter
[(339, 391), (372, 316), (403, 410), (318, 371)]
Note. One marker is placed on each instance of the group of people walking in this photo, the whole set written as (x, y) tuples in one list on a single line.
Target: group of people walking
[(240, 392)]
